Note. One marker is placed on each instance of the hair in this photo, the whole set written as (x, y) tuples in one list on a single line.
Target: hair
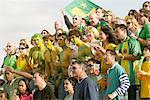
[(72, 80), (145, 3), (27, 85), (94, 30), (147, 46), (5, 93), (42, 74), (25, 43), (103, 11), (45, 31), (146, 13), (47, 36), (133, 21), (112, 52), (108, 31), (134, 13), (79, 62), (121, 26)]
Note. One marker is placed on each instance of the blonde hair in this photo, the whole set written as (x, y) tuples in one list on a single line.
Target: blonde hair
[(133, 21), (91, 29)]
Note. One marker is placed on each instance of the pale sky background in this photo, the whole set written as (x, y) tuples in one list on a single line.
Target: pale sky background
[(22, 18)]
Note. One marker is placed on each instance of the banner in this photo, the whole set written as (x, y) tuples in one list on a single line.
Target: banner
[(81, 8)]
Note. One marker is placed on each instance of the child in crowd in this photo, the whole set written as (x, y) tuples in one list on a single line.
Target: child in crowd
[(144, 75)]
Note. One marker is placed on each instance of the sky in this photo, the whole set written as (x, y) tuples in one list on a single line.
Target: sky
[(22, 18)]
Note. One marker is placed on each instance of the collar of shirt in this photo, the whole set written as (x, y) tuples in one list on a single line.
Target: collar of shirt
[(112, 67)]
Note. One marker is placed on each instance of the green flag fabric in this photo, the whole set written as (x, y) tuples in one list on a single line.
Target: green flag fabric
[(81, 8)]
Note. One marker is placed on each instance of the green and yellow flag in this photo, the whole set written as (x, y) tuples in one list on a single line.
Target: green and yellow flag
[(81, 8)]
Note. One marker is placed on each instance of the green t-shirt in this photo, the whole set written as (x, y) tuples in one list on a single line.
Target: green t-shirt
[(10, 60), (129, 46)]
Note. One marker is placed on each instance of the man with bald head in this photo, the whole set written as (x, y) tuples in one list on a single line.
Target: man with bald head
[(58, 25), (10, 59), (94, 21)]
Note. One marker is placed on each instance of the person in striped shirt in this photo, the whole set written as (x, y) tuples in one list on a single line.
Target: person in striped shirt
[(117, 81)]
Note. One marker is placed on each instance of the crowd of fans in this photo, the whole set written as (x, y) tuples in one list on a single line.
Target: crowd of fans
[(101, 57)]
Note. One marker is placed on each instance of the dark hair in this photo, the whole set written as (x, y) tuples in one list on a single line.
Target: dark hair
[(103, 11), (108, 31), (47, 36), (72, 80), (112, 52), (134, 13), (147, 46), (6, 94), (45, 31), (145, 3), (79, 62), (27, 85), (122, 26), (42, 74)]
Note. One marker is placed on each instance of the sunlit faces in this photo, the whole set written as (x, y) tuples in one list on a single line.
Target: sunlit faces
[(58, 25), (108, 58), (90, 36), (120, 33), (3, 96), (102, 36), (38, 41), (129, 24), (76, 70), (22, 87), (76, 20), (146, 51), (61, 40), (44, 32), (141, 18), (37, 79), (68, 85), (23, 50), (146, 6), (93, 19), (10, 48), (9, 76), (108, 16), (99, 13)]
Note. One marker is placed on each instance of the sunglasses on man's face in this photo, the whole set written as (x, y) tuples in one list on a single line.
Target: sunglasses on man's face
[(75, 18), (8, 46), (22, 48), (145, 5), (131, 14), (128, 23)]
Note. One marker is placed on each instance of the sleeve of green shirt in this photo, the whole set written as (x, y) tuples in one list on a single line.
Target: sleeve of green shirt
[(135, 48), (147, 30)]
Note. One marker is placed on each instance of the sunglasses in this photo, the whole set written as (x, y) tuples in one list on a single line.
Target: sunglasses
[(74, 68), (22, 44), (8, 46), (145, 5), (131, 14), (128, 22), (141, 15), (22, 48), (75, 18)]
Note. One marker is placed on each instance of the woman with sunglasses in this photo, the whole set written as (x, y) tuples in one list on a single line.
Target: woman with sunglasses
[(146, 5), (23, 58), (132, 25), (144, 35)]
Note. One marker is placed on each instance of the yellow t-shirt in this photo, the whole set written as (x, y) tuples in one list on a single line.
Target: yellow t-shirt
[(145, 80), (104, 67)]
